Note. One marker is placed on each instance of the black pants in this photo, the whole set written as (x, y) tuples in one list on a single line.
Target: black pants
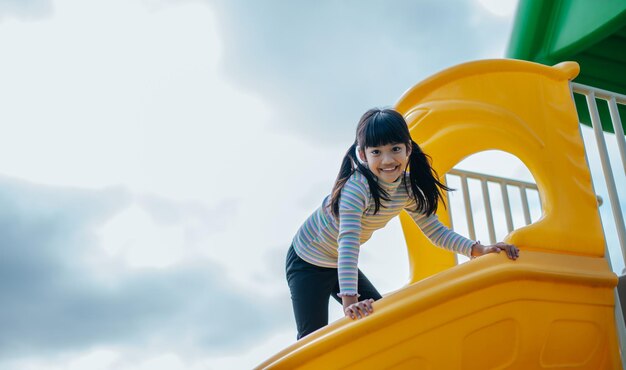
[(311, 286)]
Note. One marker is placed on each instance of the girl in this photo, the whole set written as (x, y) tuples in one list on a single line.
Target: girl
[(369, 191)]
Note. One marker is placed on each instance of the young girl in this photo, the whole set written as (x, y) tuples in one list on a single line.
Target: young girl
[(369, 191)]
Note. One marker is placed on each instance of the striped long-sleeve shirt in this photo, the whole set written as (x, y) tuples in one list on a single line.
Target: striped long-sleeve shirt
[(326, 242)]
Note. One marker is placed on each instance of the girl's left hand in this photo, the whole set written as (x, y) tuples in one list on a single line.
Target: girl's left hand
[(360, 309), (511, 251)]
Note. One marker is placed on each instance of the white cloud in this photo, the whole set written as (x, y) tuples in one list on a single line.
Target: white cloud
[(58, 302), (117, 358), (108, 93), (497, 163), (366, 54), (96, 360), (501, 8), (133, 234), (25, 10)]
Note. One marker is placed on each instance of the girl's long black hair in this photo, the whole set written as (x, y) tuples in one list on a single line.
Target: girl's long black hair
[(378, 127)]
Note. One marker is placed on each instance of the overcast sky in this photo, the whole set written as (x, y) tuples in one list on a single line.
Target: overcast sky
[(157, 157)]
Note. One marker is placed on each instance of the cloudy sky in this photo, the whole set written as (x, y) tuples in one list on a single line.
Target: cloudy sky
[(157, 156)]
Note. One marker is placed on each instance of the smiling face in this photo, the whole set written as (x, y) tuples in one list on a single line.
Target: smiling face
[(387, 162)]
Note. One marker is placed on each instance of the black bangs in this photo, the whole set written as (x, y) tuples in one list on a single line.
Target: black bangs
[(384, 127)]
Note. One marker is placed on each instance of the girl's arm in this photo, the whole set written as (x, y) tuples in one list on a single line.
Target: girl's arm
[(352, 205), (440, 235), (445, 238)]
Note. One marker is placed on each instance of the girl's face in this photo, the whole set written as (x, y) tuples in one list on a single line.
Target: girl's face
[(387, 162)]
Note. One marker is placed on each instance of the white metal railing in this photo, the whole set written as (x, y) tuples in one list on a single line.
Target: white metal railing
[(504, 184), (612, 99)]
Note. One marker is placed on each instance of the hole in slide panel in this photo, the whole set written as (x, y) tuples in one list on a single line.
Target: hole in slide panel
[(494, 194)]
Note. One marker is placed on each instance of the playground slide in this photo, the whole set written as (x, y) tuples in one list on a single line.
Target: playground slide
[(542, 311), (553, 308)]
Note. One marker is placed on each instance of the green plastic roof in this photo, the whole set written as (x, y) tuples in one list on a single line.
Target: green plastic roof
[(592, 33)]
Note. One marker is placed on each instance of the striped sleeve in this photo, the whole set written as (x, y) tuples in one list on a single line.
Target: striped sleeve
[(439, 234), (352, 205)]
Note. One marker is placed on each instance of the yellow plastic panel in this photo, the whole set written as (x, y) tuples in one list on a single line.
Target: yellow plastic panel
[(522, 108), (543, 311), (425, 259)]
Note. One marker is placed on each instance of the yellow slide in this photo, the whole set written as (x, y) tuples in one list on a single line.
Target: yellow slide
[(553, 308)]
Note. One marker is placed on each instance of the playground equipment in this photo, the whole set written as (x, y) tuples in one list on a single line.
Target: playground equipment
[(554, 306), (591, 33)]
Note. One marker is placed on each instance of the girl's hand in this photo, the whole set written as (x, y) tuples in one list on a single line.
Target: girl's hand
[(359, 310), (511, 251)]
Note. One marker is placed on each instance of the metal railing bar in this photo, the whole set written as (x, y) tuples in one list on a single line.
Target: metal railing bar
[(522, 190), (619, 131), (468, 208), (507, 207), (488, 213), (449, 210)]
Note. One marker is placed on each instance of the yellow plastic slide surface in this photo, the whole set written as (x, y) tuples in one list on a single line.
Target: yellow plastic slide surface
[(553, 308), (542, 311)]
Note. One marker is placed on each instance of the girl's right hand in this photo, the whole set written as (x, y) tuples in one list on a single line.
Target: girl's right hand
[(359, 310), (479, 250)]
